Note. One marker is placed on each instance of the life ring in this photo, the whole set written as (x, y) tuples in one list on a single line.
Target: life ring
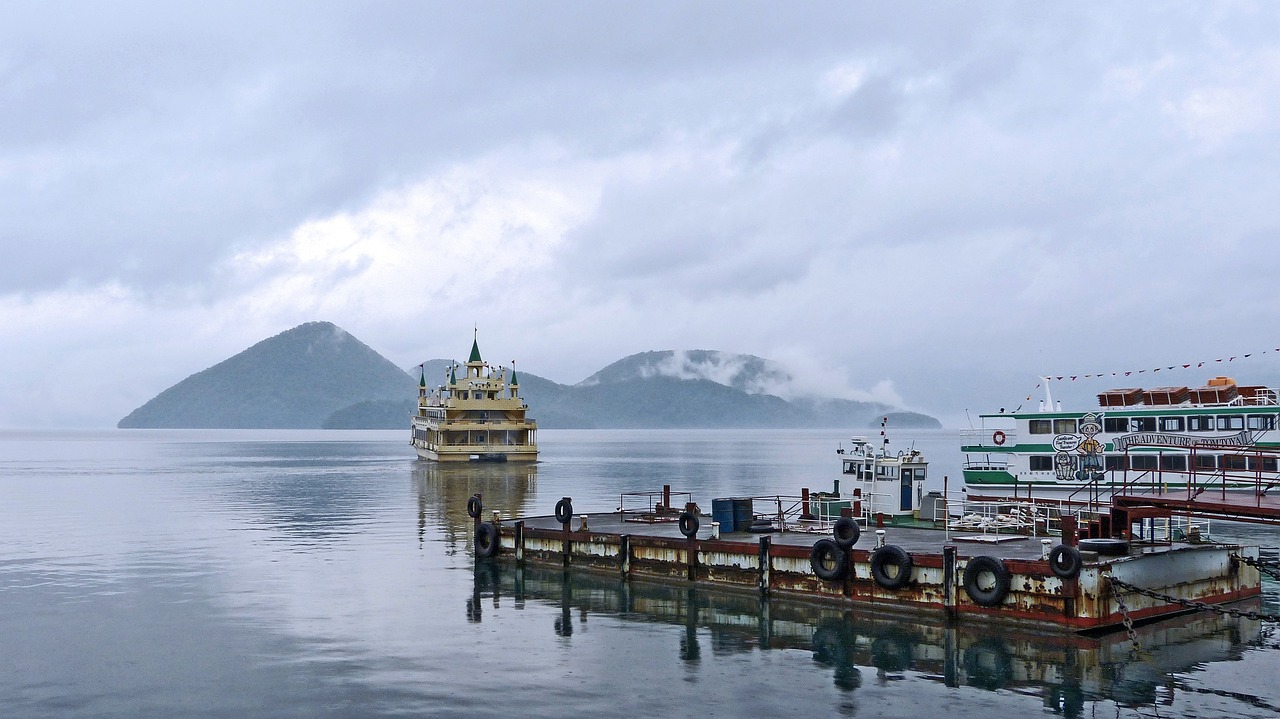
[(986, 596), (828, 560), (998, 437), (474, 506), (688, 524), (564, 510), (1104, 546), (846, 532), (488, 539), (1065, 561), (891, 554)]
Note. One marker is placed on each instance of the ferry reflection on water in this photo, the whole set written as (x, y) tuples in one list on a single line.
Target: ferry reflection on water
[(1065, 670), (443, 491)]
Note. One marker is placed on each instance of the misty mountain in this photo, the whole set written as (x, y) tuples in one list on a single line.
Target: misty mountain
[(293, 380), (317, 375), (747, 373)]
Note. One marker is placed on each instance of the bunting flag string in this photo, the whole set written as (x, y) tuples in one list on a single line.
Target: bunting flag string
[(1128, 373)]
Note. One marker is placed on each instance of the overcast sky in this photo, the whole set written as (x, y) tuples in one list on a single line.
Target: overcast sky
[(931, 204)]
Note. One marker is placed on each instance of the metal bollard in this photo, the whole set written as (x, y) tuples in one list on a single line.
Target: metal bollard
[(879, 537)]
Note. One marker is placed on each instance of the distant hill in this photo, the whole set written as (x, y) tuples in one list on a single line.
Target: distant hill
[(317, 375), (293, 380)]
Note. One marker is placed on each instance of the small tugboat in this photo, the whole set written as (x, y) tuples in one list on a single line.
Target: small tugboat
[(479, 417), (886, 485)]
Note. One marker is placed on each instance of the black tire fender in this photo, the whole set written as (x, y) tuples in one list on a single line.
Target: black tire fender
[(891, 554), (564, 510), (688, 524), (488, 539), (828, 560), (474, 507), (991, 596), (846, 532), (1065, 561)]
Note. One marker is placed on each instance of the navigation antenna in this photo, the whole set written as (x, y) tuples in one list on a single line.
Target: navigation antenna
[(884, 438), (1048, 396)]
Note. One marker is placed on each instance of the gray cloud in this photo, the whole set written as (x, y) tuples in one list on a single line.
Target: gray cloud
[(998, 190)]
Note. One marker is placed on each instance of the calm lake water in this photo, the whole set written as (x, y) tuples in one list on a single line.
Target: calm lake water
[(329, 574)]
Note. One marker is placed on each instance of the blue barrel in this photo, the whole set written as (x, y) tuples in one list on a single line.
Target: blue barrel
[(743, 513), (722, 512)]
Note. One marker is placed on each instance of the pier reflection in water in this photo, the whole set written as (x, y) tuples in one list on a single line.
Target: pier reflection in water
[(1066, 671)]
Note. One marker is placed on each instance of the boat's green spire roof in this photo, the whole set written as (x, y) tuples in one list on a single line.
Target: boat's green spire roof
[(514, 379), (422, 376), (475, 352), (453, 376)]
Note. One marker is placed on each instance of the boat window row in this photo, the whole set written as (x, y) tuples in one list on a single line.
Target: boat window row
[(1166, 462), (861, 471), (1193, 423)]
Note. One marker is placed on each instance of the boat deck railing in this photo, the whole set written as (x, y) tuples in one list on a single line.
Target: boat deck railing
[(654, 503), (989, 437), (1258, 472)]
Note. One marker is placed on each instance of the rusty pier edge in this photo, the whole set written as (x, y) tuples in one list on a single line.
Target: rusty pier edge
[(781, 566)]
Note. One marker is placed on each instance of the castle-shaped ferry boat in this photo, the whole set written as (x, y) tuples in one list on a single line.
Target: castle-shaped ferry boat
[(1221, 436), (475, 418)]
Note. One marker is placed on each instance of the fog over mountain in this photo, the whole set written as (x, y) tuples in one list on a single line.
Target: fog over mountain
[(318, 375)]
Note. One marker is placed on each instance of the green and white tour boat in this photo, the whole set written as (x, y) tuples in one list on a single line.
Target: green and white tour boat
[(1221, 436)]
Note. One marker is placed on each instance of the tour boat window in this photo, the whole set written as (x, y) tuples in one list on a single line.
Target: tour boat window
[(1173, 462), (1064, 426), (1115, 425), (1230, 422), (1143, 461), (1265, 464), (1261, 421), (1039, 426), (1200, 423), (1143, 424), (1206, 461), (1234, 461), (1171, 424), (1114, 462), (1041, 462)]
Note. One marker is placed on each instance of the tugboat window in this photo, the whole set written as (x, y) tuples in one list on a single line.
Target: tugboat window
[(1114, 462), (1174, 462), (1039, 426), (1041, 462), (1171, 424), (1115, 425), (1064, 426), (1206, 461)]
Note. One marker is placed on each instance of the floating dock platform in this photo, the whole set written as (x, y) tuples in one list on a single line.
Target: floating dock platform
[(1010, 579)]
